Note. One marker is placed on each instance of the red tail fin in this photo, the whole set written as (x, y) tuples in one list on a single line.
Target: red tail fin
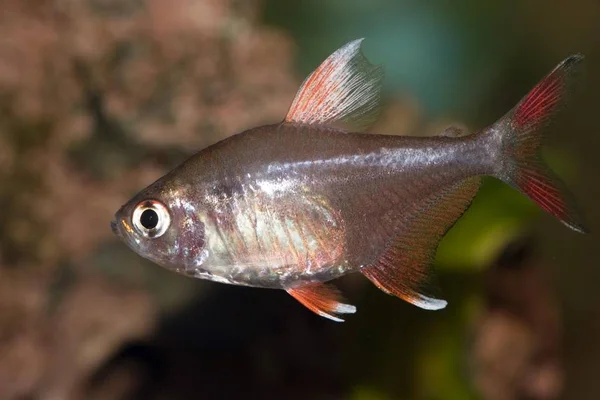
[(521, 131)]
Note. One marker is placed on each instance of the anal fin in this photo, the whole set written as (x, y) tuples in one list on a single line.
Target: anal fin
[(322, 299), (404, 267)]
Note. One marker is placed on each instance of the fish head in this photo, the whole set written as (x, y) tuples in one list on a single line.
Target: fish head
[(163, 225)]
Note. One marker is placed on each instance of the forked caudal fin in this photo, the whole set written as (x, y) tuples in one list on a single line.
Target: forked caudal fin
[(520, 134)]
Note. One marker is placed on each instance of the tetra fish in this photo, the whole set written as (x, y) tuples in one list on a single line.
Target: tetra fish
[(299, 203)]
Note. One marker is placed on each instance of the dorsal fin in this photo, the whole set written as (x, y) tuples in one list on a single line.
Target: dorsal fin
[(404, 266), (345, 88)]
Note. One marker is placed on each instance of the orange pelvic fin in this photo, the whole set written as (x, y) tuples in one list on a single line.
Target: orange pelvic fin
[(324, 300)]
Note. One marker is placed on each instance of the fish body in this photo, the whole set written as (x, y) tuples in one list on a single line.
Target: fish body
[(303, 215), (299, 203)]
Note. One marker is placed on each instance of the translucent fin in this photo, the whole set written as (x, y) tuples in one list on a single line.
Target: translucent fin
[(404, 267), (324, 300), (453, 132), (521, 139), (345, 88), (537, 108)]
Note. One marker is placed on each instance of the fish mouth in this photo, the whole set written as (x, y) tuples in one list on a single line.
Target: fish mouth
[(114, 228)]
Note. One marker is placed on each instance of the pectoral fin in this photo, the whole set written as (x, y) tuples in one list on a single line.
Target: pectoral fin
[(404, 266), (324, 300)]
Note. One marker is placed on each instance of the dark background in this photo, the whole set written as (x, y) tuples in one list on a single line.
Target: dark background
[(98, 98)]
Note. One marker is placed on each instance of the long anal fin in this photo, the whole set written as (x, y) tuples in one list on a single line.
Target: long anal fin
[(404, 267), (324, 300), (344, 89)]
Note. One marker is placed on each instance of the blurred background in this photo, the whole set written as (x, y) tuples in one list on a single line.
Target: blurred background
[(98, 98)]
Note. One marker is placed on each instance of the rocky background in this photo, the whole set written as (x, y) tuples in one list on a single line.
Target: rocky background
[(98, 98)]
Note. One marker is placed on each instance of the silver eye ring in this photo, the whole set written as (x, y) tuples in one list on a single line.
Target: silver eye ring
[(151, 218)]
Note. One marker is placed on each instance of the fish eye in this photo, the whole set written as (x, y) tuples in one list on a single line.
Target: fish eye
[(151, 218)]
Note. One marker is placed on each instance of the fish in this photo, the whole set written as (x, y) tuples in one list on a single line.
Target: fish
[(296, 204)]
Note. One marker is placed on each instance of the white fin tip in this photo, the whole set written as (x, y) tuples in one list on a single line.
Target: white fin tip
[(429, 303), (329, 316), (345, 309)]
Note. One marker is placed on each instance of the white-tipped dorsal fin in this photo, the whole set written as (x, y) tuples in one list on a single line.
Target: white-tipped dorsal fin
[(345, 88)]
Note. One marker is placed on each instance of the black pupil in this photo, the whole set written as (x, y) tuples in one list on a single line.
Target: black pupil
[(149, 219)]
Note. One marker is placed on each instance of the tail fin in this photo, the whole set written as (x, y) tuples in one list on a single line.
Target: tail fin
[(521, 136)]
